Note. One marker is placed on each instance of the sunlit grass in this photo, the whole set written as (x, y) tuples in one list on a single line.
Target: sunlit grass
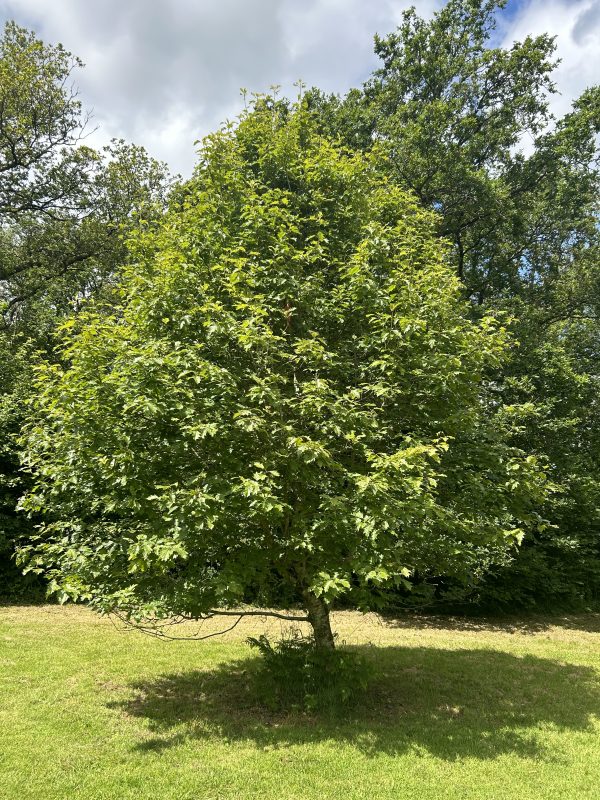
[(455, 710)]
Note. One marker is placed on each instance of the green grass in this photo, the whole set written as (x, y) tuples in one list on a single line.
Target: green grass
[(455, 710)]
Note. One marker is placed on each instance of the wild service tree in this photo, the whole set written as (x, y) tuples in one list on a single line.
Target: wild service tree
[(291, 394)]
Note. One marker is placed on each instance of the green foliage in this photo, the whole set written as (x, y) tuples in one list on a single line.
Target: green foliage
[(41, 123), (15, 376), (294, 674), (560, 566), (265, 344), (65, 212), (65, 209), (449, 110), (466, 127), (290, 394)]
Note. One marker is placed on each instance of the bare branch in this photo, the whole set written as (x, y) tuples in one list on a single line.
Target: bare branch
[(156, 628), (160, 634)]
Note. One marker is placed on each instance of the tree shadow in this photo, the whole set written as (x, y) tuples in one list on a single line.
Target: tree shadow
[(536, 623), (450, 703)]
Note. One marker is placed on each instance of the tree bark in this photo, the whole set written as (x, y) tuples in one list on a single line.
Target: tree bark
[(318, 616)]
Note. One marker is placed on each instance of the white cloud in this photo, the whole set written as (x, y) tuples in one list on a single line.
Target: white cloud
[(330, 42), (165, 72)]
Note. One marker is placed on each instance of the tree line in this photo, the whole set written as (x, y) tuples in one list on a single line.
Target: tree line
[(353, 360)]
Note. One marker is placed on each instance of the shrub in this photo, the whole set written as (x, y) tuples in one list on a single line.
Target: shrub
[(295, 674)]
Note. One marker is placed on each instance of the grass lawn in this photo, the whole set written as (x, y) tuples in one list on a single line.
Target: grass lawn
[(455, 710)]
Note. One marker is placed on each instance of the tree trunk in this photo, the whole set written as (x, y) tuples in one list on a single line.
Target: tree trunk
[(318, 616)]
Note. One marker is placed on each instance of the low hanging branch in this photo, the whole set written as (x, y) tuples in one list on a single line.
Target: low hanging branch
[(155, 628), (260, 613)]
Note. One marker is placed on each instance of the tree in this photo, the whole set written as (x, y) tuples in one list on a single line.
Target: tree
[(467, 127), (40, 125), (555, 380), (65, 212), (62, 204), (453, 113), (291, 394)]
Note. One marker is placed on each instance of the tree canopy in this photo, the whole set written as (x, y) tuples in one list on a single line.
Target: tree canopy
[(291, 393)]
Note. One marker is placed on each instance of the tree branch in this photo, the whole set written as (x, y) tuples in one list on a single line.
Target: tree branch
[(156, 629), (261, 613)]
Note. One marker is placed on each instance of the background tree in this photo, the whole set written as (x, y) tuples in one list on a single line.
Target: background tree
[(467, 128), (65, 212), (290, 395)]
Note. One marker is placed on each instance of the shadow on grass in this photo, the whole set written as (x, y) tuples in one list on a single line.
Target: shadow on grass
[(452, 704), (588, 622)]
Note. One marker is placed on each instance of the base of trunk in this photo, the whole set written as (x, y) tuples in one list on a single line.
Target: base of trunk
[(318, 616)]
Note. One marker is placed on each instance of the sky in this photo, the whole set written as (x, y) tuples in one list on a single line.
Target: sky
[(163, 73)]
